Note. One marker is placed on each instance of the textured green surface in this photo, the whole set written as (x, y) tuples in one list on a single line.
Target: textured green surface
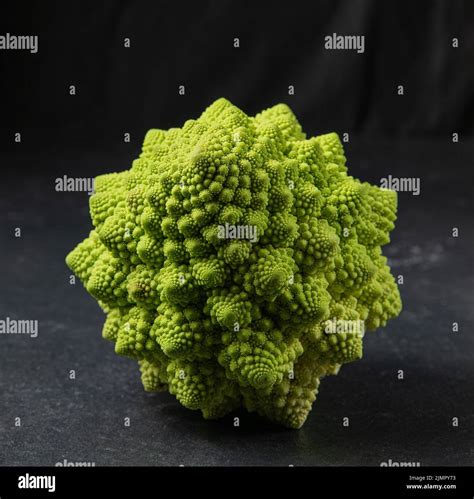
[(225, 322)]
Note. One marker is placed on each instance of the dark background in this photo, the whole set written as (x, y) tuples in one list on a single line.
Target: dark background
[(191, 43), (133, 89)]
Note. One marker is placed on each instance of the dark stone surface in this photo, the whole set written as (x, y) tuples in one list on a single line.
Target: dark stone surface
[(406, 420)]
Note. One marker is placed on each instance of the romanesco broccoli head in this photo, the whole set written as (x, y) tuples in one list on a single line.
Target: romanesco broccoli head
[(230, 254)]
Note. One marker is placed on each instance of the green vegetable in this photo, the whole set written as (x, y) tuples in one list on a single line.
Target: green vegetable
[(231, 258)]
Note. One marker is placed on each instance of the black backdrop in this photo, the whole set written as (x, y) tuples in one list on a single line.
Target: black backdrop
[(191, 43)]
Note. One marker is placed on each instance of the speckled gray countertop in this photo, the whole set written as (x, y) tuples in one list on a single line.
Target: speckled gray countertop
[(82, 420)]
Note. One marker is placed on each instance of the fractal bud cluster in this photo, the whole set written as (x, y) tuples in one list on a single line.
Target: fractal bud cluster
[(225, 255)]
